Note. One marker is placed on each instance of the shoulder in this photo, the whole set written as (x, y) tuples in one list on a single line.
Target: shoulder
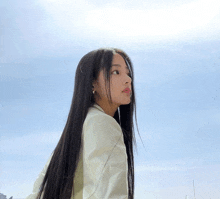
[(102, 133), (99, 118), (100, 121)]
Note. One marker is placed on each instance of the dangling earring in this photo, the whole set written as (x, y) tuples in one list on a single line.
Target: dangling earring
[(93, 92)]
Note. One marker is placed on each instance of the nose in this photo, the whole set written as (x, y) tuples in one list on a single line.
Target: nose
[(128, 79)]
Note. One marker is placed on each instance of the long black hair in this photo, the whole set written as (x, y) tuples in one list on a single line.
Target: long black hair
[(58, 180)]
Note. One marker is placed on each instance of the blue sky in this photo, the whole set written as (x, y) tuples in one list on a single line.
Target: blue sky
[(175, 49)]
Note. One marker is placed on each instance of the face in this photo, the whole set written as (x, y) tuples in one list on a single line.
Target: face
[(119, 80)]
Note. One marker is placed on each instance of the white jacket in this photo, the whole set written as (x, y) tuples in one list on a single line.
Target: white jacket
[(102, 169)]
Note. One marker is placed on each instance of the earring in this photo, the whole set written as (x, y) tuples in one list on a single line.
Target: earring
[(93, 90)]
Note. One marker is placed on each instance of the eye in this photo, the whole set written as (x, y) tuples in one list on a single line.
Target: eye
[(115, 71), (129, 74)]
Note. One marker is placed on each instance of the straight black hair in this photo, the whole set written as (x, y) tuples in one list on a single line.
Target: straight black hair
[(58, 180)]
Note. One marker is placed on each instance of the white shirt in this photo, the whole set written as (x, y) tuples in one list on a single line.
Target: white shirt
[(102, 169)]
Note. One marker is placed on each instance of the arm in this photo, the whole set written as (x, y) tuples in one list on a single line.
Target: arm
[(104, 159)]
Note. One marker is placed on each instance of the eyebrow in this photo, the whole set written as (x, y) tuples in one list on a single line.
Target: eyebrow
[(118, 65)]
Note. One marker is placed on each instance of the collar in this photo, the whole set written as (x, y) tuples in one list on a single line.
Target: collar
[(98, 107)]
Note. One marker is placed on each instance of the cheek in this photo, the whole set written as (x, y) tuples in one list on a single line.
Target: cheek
[(115, 80), (115, 86)]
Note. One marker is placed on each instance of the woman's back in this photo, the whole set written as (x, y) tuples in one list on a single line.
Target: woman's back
[(94, 156), (102, 167)]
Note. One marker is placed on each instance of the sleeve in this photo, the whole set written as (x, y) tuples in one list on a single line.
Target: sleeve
[(104, 159), (38, 181)]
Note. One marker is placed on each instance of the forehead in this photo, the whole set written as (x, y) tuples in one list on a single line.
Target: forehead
[(118, 61)]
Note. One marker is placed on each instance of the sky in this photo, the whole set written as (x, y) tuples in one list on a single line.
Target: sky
[(175, 50)]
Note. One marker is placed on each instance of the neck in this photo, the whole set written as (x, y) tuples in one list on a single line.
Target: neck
[(108, 109)]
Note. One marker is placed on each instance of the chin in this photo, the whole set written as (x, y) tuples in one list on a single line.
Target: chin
[(122, 102), (125, 103)]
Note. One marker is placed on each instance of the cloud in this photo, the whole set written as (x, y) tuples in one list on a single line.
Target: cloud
[(154, 23), (23, 157), (29, 144), (175, 165), (201, 192), (174, 179), (139, 24), (49, 28)]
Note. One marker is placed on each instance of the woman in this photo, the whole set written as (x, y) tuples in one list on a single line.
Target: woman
[(94, 156)]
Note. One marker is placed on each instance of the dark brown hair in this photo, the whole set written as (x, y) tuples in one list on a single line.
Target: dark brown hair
[(58, 180)]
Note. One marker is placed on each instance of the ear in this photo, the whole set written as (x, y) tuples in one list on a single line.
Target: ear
[(94, 84)]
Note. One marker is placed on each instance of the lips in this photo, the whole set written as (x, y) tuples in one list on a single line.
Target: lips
[(127, 90)]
